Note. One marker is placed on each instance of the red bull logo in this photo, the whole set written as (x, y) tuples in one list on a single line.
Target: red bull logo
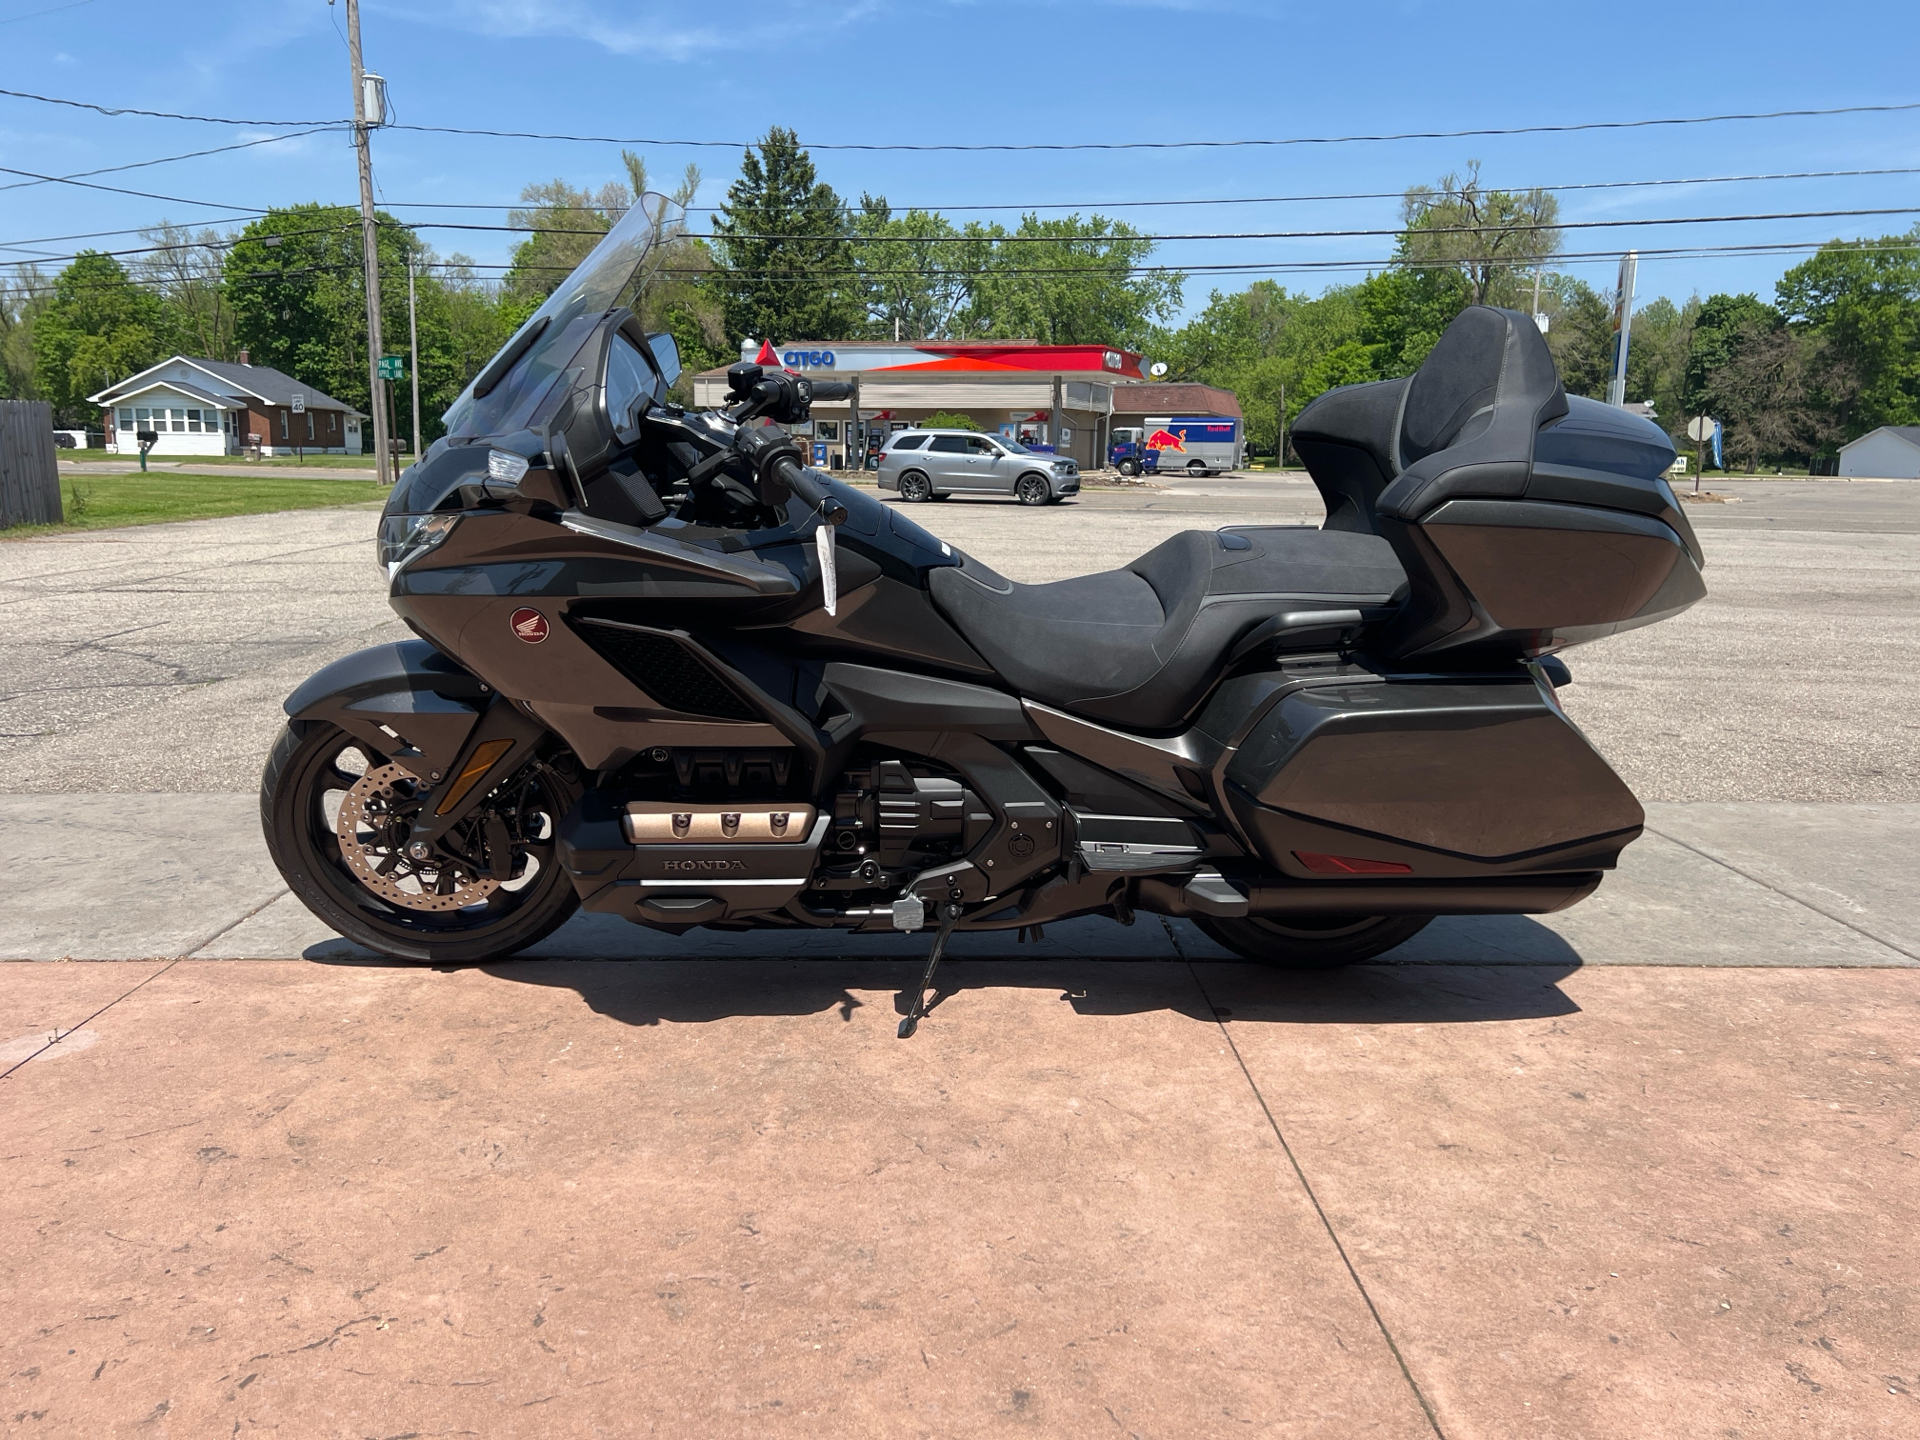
[(1166, 440)]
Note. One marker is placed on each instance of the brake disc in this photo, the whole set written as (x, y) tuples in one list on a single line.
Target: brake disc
[(368, 846)]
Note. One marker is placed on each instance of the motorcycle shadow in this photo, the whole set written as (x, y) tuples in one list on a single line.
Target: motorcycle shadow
[(1457, 972)]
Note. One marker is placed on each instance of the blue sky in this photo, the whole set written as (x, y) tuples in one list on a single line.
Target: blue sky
[(950, 71)]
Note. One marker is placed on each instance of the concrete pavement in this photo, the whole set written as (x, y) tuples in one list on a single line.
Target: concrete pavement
[(1643, 1169)]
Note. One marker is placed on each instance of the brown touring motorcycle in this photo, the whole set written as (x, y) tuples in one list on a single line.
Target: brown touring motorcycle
[(667, 672)]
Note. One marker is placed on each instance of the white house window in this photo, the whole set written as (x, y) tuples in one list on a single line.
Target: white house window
[(193, 422), (179, 419), (126, 417)]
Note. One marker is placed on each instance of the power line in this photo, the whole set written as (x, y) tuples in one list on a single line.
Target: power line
[(141, 194), (1476, 133), (169, 114), (50, 10), (163, 160), (1227, 200)]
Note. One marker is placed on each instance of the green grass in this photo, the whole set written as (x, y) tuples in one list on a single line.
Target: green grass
[(100, 502), (331, 462)]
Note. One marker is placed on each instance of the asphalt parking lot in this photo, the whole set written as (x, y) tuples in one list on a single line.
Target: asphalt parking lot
[(1643, 1169)]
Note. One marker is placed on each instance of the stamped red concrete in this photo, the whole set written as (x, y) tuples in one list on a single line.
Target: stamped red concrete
[(1691, 1207), (590, 1199)]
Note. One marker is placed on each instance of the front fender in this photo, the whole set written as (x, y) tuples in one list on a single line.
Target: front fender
[(407, 700)]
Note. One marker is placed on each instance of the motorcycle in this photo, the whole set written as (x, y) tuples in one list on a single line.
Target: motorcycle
[(666, 671)]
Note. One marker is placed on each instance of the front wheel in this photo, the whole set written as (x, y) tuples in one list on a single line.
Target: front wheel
[(1032, 490), (915, 488), (1313, 942), (1129, 468), (336, 813)]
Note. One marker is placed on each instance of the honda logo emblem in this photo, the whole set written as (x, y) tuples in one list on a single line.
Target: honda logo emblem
[(530, 626)]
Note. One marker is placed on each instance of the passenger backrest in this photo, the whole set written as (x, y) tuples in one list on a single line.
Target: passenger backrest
[(1471, 413), (1345, 439)]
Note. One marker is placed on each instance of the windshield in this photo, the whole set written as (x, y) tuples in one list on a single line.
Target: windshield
[(594, 288)]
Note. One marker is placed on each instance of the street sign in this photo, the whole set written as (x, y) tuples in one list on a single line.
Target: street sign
[(393, 367), (1679, 466), (1700, 428), (299, 406)]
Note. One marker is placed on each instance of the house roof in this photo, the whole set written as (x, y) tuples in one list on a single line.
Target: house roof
[(179, 387), (1149, 399), (1908, 433), (262, 382)]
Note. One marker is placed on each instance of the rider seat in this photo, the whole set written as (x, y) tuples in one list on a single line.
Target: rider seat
[(1142, 645)]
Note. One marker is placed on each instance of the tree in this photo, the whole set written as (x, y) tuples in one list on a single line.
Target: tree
[(1580, 335), (1863, 299), (1765, 392), (1068, 281), (99, 327), (780, 242), (297, 288), (948, 420), (186, 271), (23, 295), (1718, 328), (913, 275), (1487, 237), (1662, 340)]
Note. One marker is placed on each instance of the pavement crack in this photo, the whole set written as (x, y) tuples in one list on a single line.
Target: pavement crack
[(1785, 894), (61, 1035), (1353, 1273)]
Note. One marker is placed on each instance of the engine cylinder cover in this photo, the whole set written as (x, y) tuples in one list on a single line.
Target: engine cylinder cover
[(667, 822)]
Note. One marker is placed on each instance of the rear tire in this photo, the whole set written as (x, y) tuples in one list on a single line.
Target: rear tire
[(1313, 942), (915, 488), (314, 761), (1032, 490)]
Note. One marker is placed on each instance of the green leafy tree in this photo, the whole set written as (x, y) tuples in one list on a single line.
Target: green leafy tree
[(1724, 322), (23, 295), (1067, 281), (913, 273), (949, 420), (1661, 342), (1486, 237), (98, 327), (1581, 335), (1863, 299), (298, 294), (783, 267)]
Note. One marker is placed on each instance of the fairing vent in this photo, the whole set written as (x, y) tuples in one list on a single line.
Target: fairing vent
[(665, 668)]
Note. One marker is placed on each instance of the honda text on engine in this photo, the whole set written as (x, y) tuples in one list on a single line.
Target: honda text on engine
[(665, 671)]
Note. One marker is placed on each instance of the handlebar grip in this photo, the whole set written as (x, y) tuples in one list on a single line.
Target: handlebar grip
[(811, 493), (832, 389)]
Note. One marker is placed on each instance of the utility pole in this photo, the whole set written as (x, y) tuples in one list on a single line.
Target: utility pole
[(413, 355), (1280, 450), (376, 388)]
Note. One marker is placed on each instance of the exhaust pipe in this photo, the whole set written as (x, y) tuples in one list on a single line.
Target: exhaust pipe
[(1209, 895)]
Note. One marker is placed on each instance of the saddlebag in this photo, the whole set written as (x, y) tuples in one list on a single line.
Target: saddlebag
[(1427, 779)]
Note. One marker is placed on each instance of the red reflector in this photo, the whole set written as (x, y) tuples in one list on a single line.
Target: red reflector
[(1349, 865)]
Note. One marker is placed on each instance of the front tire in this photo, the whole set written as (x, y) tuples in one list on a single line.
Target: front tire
[(915, 488), (1313, 942), (314, 770), (1130, 468), (1032, 490)]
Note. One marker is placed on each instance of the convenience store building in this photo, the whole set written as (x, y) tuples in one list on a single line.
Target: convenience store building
[(1050, 397)]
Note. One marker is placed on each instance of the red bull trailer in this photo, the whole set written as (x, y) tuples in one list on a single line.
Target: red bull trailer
[(1198, 445)]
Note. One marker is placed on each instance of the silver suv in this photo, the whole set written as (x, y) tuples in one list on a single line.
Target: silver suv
[(933, 464)]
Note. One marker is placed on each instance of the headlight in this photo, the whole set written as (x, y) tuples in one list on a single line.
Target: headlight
[(1063, 466), (405, 538)]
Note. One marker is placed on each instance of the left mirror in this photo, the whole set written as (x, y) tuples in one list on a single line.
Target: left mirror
[(666, 354)]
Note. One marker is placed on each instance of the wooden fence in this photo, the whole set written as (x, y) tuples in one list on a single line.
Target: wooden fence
[(29, 478)]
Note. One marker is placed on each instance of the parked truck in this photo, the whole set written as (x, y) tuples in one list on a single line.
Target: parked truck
[(1196, 445)]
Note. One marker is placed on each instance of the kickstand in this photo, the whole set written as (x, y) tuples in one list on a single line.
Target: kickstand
[(913, 1017)]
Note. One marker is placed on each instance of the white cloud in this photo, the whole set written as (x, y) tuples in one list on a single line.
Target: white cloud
[(664, 31)]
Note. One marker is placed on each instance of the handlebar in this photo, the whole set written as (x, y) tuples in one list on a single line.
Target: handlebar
[(832, 389), (815, 497)]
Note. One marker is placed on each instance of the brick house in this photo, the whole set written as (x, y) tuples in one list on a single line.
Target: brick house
[(211, 407)]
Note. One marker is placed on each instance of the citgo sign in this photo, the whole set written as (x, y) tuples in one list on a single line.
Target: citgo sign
[(808, 359)]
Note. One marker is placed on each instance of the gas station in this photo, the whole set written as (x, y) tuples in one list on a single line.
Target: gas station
[(1052, 398)]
